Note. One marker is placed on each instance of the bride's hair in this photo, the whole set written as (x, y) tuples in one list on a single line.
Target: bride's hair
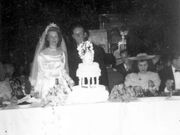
[(55, 29)]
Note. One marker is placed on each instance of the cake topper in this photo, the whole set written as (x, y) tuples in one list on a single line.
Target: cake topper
[(86, 52)]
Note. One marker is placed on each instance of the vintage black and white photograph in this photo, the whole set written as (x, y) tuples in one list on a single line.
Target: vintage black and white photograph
[(89, 67)]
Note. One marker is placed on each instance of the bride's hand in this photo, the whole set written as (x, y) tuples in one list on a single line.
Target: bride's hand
[(71, 83)]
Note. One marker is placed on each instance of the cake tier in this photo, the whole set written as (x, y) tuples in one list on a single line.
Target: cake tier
[(88, 70), (88, 95)]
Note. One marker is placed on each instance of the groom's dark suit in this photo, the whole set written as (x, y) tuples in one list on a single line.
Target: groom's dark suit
[(99, 57)]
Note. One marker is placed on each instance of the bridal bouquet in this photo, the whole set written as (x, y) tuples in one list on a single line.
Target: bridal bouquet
[(56, 96)]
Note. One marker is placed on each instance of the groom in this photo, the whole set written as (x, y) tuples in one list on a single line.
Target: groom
[(79, 34)]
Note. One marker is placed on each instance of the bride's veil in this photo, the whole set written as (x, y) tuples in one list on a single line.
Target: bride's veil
[(40, 46)]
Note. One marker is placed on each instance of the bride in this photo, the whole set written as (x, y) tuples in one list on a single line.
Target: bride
[(50, 63)]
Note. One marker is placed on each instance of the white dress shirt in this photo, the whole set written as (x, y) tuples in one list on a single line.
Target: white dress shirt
[(176, 78)]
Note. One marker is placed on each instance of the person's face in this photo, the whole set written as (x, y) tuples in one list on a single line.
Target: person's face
[(142, 66), (79, 35), (176, 63), (53, 38), (124, 56)]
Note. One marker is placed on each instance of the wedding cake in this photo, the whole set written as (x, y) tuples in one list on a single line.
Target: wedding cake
[(88, 90)]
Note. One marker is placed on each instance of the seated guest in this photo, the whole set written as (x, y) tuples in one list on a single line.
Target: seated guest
[(125, 67), (114, 39), (23, 76), (16, 81), (9, 70), (5, 90), (11, 83), (143, 80), (158, 62), (170, 75)]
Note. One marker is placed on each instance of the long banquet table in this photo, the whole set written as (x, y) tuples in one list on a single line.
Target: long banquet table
[(141, 117)]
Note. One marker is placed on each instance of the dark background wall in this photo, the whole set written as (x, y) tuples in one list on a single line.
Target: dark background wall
[(153, 24)]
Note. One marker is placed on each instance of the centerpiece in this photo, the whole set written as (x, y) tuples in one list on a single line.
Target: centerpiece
[(86, 52), (125, 94)]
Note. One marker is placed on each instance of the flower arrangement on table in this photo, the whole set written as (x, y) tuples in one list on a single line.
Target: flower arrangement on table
[(122, 93), (20, 86), (125, 94), (85, 47)]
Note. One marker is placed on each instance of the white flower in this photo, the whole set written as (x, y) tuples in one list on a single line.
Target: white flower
[(56, 96), (85, 47)]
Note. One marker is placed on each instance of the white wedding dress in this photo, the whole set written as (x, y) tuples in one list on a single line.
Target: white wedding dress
[(51, 68)]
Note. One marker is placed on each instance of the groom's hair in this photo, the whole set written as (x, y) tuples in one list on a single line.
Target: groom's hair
[(77, 25)]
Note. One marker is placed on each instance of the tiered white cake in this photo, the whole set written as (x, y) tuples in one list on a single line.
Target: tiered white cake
[(88, 72)]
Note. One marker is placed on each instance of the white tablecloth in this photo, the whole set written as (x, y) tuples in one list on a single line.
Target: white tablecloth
[(133, 118)]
